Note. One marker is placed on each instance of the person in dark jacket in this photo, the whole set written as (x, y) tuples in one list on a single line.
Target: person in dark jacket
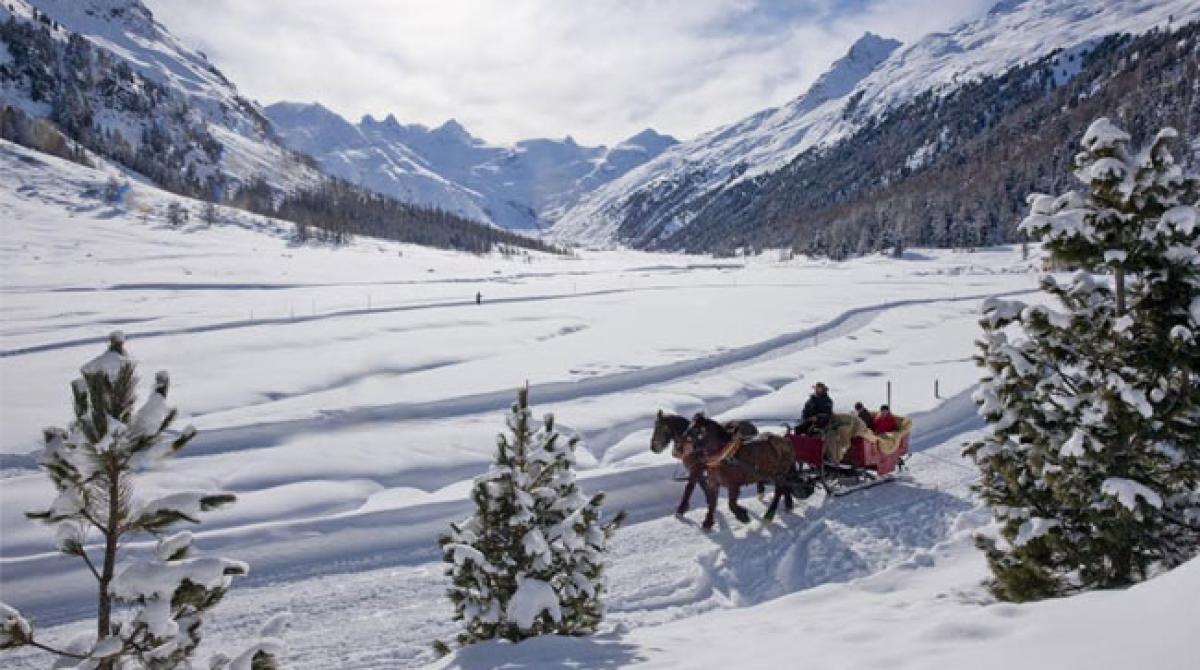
[(864, 414), (817, 410)]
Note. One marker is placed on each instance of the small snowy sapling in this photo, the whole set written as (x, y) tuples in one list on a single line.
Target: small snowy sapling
[(530, 560), (151, 604)]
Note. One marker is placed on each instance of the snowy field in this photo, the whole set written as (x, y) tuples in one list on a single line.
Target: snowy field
[(348, 397)]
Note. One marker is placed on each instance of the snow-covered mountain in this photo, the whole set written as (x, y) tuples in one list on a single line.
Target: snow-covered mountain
[(665, 195), (140, 90), (527, 185)]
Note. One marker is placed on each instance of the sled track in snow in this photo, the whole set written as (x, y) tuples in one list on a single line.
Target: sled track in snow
[(284, 286), (272, 433), (341, 314), (806, 544)]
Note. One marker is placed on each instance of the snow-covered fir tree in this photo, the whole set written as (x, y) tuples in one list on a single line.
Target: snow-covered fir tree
[(1092, 462), (151, 605), (530, 560)]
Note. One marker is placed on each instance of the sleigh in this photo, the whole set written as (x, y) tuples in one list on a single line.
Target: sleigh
[(867, 460)]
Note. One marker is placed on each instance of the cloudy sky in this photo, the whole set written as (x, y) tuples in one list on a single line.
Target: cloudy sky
[(598, 70)]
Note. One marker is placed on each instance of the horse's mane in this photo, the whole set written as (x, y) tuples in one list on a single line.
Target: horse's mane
[(708, 424), (678, 424)]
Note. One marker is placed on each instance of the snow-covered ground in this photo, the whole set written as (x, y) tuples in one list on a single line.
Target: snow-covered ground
[(349, 395)]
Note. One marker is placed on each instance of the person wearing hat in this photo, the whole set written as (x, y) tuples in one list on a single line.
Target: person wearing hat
[(885, 421), (819, 405)]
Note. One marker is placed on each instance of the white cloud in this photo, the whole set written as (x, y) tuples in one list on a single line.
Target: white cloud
[(599, 70)]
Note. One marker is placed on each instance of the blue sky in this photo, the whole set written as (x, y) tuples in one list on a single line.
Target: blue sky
[(598, 70)]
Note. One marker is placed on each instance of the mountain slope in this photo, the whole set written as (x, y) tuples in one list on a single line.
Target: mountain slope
[(664, 196), (113, 78), (955, 170), (527, 185), (100, 81)]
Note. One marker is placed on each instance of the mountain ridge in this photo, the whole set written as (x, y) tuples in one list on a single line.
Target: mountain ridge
[(662, 197), (526, 185), (127, 33)]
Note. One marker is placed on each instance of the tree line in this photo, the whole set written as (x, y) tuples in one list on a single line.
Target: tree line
[(79, 84)]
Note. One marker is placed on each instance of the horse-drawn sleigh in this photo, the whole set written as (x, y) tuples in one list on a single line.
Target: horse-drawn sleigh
[(841, 457)]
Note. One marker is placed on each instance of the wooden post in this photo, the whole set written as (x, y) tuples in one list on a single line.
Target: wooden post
[(889, 393), (936, 392)]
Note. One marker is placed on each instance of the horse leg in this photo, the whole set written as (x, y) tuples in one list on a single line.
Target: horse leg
[(693, 477), (734, 507), (780, 489), (712, 491)]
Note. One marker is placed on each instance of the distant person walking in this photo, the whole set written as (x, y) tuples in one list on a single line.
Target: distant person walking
[(478, 298)]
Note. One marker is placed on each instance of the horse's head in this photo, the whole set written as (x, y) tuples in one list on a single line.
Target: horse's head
[(668, 428), (705, 434)]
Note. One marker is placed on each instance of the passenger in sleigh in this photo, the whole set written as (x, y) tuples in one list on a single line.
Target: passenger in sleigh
[(890, 429), (865, 414), (885, 421)]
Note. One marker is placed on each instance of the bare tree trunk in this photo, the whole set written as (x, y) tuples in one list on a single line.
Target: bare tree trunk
[(1119, 278), (111, 536)]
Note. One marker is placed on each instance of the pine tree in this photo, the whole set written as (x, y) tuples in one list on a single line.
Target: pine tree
[(177, 215), (209, 213), (1091, 465), (530, 560), (150, 608)]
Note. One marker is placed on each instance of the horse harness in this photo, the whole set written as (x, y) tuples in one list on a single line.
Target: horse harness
[(727, 455)]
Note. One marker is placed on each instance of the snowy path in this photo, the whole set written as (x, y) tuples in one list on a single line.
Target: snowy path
[(663, 569), (323, 316), (270, 434)]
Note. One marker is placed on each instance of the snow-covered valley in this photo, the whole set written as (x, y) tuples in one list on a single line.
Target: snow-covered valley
[(349, 395)]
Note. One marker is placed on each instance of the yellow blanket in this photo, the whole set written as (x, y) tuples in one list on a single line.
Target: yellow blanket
[(889, 442), (845, 427), (841, 429)]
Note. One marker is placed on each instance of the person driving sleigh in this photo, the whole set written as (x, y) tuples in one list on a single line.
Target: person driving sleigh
[(817, 410)]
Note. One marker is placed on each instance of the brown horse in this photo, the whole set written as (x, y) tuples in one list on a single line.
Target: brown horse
[(767, 457), (669, 429)]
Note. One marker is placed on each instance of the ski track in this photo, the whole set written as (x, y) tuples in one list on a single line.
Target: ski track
[(661, 568), (344, 313), (268, 434), (277, 286), (728, 571)]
